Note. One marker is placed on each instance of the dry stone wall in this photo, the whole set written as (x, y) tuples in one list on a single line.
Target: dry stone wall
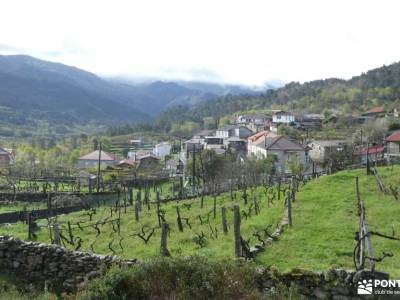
[(58, 267), (53, 265)]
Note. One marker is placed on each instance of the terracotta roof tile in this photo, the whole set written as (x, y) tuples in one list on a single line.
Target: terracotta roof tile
[(394, 137)]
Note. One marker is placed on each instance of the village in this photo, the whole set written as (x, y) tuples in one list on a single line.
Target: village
[(250, 136)]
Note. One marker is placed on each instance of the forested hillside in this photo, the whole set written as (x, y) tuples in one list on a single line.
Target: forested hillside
[(380, 86)]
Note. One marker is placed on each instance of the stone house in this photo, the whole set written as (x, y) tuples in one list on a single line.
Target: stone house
[(148, 163), (321, 149), (5, 158), (126, 164), (393, 146), (284, 150)]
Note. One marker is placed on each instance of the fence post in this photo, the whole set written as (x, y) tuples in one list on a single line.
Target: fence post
[(164, 235), (224, 221), (236, 230)]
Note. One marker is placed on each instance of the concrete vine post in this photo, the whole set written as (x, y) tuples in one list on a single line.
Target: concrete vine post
[(57, 238)]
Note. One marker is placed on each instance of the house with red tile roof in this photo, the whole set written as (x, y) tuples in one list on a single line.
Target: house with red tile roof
[(393, 145), (373, 153), (375, 112)]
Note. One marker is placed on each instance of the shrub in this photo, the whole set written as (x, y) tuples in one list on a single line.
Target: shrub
[(178, 278)]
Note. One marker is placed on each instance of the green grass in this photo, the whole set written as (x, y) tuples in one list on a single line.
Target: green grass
[(179, 243), (325, 221)]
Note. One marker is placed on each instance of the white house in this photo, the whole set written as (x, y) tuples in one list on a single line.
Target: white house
[(237, 131), (284, 150), (283, 117), (162, 149)]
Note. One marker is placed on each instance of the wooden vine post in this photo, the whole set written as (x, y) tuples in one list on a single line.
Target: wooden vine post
[(137, 210), (130, 196), (215, 206), (164, 235), (29, 222), (71, 237), (236, 230), (158, 209), (279, 188), (179, 220), (289, 208), (224, 221)]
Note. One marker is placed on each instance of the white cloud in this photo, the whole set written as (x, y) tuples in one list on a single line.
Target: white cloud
[(237, 41)]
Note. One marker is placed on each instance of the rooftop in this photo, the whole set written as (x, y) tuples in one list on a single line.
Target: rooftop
[(95, 156), (376, 110), (394, 137), (279, 143), (329, 143), (256, 136), (4, 152), (370, 150)]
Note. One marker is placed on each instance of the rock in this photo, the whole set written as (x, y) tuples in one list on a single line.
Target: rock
[(16, 264), (319, 293), (340, 297), (340, 290)]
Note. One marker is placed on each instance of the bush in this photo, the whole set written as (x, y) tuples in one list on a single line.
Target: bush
[(178, 278), (394, 126)]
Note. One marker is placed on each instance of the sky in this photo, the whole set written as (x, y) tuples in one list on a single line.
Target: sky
[(249, 42)]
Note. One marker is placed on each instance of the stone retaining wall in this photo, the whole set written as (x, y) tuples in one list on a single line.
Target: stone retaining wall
[(69, 270), (336, 284), (51, 264), (42, 197)]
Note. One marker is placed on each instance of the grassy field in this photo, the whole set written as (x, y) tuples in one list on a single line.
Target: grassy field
[(325, 221), (183, 243)]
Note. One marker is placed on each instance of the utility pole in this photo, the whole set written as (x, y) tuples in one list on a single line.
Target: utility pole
[(194, 171), (99, 169)]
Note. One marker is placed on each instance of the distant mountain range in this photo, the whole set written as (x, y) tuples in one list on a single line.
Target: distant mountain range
[(33, 92)]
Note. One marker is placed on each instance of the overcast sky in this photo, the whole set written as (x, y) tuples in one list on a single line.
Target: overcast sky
[(247, 41)]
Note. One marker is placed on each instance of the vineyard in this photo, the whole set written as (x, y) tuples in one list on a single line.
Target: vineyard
[(325, 224), (326, 221), (133, 229)]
